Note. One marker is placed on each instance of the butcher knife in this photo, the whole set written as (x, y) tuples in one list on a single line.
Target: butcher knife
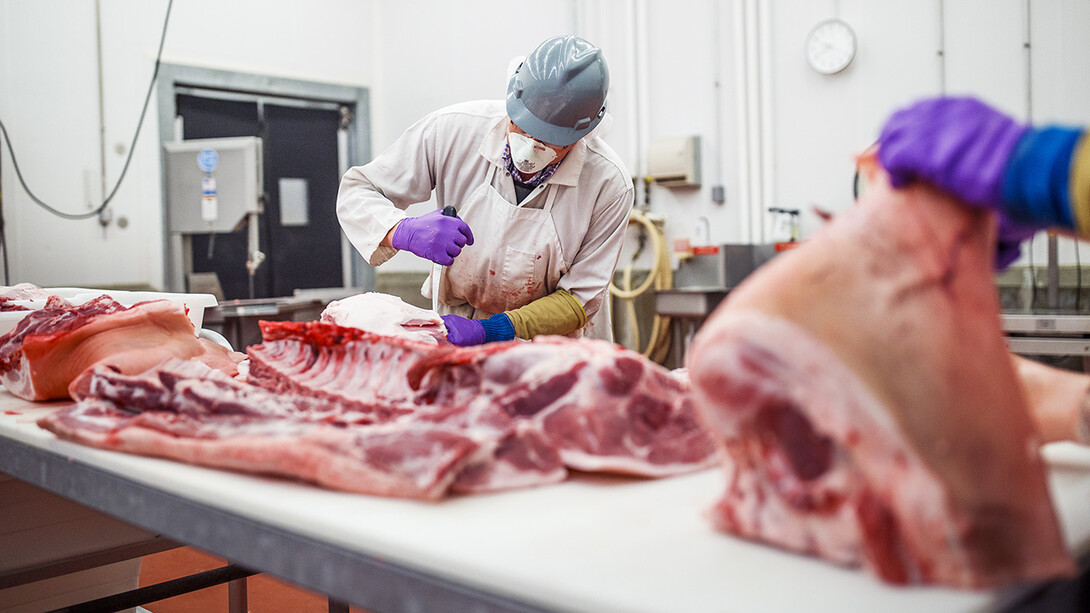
[(437, 269)]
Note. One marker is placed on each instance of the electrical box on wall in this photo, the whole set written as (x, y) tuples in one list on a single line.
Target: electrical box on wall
[(675, 162), (212, 184)]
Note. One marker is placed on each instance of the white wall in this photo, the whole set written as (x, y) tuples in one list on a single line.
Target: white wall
[(774, 132), (820, 122), (49, 103), (56, 137)]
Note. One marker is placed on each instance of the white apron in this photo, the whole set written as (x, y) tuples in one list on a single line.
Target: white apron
[(515, 258)]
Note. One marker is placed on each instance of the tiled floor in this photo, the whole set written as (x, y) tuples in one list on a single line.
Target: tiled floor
[(264, 594)]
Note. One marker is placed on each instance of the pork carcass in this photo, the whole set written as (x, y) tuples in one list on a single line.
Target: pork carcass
[(866, 405), (349, 410), (185, 411), (50, 347), (387, 315), (605, 408), (593, 405)]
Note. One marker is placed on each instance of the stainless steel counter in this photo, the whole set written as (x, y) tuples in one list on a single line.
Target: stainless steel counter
[(237, 320), (687, 308)]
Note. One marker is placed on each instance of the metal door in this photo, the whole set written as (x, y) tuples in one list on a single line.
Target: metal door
[(301, 181), (299, 232)]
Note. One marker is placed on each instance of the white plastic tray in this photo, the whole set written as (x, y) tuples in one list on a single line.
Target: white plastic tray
[(195, 304)]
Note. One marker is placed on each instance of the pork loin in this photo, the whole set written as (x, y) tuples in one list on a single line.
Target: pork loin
[(866, 405)]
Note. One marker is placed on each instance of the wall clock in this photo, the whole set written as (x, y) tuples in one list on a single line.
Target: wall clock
[(830, 46)]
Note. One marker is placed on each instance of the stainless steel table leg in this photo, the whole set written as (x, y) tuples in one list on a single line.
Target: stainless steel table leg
[(236, 596), (679, 341), (693, 325)]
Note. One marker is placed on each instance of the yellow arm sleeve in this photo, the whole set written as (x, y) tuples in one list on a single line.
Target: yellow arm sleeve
[(1079, 184), (557, 313)]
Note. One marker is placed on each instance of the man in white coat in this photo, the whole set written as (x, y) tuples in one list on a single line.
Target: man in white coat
[(542, 202)]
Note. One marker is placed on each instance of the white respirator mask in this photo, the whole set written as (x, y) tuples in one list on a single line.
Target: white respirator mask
[(528, 155)]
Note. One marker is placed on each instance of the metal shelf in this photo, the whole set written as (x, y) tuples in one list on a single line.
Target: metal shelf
[(1047, 334)]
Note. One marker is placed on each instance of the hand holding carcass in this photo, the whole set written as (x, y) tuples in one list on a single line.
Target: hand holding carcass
[(464, 332), (985, 158), (958, 144)]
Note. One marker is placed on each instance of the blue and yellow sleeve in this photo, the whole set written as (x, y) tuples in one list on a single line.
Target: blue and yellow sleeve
[(1047, 180), (557, 313)]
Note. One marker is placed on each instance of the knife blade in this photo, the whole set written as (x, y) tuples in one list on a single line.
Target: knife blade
[(437, 269)]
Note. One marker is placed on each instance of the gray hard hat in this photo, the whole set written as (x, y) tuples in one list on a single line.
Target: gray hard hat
[(557, 95)]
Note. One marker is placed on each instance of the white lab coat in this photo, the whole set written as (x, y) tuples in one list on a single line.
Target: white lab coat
[(457, 150)]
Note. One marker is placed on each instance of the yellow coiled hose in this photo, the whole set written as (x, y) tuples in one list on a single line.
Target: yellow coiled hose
[(660, 277)]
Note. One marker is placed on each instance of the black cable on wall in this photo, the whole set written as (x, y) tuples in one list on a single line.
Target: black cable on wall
[(132, 147)]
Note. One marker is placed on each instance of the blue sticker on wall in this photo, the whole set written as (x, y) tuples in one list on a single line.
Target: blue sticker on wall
[(208, 159)]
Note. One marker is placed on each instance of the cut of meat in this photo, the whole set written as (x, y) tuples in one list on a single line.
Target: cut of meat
[(596, 406), (524, 457), (347, 366), (11, 304), (866, 403), (350, 410), (185, 411), (51, 347), (605, 408), (366, 372), (1059, 400), (387, 315), (189, 387), (23, 291)]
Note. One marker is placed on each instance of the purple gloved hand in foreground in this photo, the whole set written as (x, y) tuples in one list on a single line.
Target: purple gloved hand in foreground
[(960, 145), (433, 236), (463, 332)]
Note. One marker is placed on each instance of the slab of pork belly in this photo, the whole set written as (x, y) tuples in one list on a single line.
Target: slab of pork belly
[(50, 348)]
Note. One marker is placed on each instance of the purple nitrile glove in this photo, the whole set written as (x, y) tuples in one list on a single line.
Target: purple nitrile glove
[(433, 236), (960, 145), (463, 332), (1008, 245)]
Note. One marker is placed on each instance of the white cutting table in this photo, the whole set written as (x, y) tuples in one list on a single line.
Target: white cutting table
[(593, 544)]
